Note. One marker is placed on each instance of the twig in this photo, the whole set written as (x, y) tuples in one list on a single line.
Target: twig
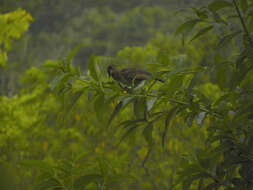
[(242, 22)]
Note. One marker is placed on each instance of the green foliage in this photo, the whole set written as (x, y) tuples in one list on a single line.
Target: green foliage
[(72, 130), (13, 25)]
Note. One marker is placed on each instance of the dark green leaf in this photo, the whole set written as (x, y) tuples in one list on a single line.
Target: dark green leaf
[(85, 180), (103, 166), (167, 123), (72, 99), (202, 14), (210, 186), (147, 132), (187, 26), (41, 165), (140, 108), (219, 4), (201, 32), (217, 17), (115, 112), (119, 107), (99, 105), (129, 123), (130, 130), (244, 5), (226, 39)]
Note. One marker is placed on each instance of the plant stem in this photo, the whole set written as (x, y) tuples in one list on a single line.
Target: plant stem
[(243, 22)]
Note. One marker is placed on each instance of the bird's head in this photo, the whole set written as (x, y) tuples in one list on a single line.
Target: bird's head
[(111, 69)]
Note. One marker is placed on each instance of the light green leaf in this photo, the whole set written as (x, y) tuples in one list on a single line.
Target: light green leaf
[(92, 66), (150, 103), (73, 53)]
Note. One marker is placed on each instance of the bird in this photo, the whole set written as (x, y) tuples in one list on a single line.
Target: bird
[(129, 76)]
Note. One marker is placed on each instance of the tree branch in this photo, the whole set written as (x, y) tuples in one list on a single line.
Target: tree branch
[(243, 22)]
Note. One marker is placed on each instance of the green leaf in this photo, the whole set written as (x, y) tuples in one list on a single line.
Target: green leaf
[(217, 17), (226, 39), (99, 105), (92, 66), (202, 14), (201, 32), (187, 26), (150, 103), (130, 130), (119, 107), (103, 166), (200, 118), (129, 123), (147, 132), (167, 123), (56, 80), (44, 166), (244, 5), (219, 4), (73, 53), (72, 99), (140, 108), (85, 180)]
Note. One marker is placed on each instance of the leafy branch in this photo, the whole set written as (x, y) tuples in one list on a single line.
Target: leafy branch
[(243, 22)]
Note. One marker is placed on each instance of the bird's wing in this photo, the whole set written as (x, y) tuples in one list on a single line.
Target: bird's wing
[(133, 73)]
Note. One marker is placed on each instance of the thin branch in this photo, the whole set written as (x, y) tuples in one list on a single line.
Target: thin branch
[(243, 22)]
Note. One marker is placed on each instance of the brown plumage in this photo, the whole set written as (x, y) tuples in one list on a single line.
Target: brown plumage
[(129, 76)]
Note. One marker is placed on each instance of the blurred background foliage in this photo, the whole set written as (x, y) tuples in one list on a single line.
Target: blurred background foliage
[(66, 125)]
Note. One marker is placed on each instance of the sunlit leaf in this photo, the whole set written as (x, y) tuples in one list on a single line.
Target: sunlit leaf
[(150, 103), (92, 66)]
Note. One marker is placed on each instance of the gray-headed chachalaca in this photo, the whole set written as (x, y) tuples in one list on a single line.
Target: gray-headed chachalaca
[(129, 76)]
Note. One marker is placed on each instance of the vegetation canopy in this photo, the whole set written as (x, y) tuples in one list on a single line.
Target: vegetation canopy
[(138, 104)]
